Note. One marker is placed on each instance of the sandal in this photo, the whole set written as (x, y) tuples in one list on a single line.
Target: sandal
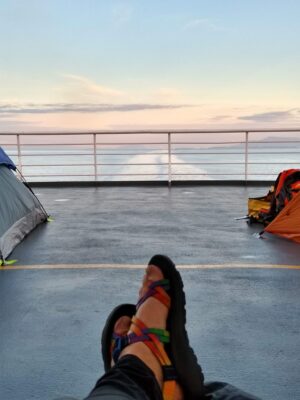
[(172, 350), (182, 356)]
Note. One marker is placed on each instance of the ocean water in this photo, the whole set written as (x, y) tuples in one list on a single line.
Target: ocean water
[(122, 163)]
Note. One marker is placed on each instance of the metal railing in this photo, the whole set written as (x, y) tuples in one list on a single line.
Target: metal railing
[(167, 155)]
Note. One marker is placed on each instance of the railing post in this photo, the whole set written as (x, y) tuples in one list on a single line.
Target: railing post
[(169, 160), (19, 153), (95, 156), (246, 155)]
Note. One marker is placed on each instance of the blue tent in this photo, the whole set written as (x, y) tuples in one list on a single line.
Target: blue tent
[(20, 210), (5, 160)]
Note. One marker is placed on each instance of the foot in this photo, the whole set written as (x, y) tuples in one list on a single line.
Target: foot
[(153, 314), (121, 328)]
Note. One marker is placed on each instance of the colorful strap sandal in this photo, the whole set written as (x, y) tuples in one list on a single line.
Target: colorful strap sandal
[(172, 350), (153, 338), (182, 356)]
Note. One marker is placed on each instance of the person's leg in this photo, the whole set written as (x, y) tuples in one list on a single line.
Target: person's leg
[(137, 368), (129, 379), (161, 306)]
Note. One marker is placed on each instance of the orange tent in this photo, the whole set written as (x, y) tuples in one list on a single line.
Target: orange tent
[(287, 222)]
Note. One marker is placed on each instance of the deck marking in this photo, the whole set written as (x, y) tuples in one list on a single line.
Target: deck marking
[(142, 266), (62, 200)]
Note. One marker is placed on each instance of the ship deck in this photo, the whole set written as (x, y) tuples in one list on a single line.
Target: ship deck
[(243, 293)]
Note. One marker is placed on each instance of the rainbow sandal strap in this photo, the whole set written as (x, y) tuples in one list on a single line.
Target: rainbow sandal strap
[(157, 289), (155, 339), (118, 343)]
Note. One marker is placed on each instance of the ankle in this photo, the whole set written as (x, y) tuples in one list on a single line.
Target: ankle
[(141, 351)]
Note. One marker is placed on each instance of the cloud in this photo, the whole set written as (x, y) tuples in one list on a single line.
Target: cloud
[(86, 88), (8, 109), (202, 23), (221, 117), (273, 116)]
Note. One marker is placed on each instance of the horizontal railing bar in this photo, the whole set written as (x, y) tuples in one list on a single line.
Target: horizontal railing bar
[(85, 154), (131, 154), (143, 174), (233, 162), (151, 153), (56, 144), (89, 165), (131, 143), (153, 143), (156, 132), (159, 164), (98, 144), (129, 164), (274, 152), (236, 142), (57, 165), (214, 143), (205, 174), (218, 174), (55, 155), (233, 152), (44, 175), (148, 174), (159, 174), (274, 141)]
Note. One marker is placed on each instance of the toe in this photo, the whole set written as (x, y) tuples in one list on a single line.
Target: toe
[(122, 325)]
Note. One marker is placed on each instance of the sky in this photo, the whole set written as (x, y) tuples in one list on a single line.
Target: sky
[(69, 65)]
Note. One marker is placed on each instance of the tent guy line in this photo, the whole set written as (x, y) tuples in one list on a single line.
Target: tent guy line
[(140, 266)]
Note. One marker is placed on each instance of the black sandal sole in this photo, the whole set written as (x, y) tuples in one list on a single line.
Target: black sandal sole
[(183, 358)]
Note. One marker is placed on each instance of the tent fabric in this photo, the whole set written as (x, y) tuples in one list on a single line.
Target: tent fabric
[(5, 160), (287, 222), (20, 211)]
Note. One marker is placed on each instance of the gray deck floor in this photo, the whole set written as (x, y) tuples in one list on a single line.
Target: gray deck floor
[(243, 322)]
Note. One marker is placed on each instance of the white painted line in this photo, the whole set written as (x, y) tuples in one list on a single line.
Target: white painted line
[(62, 200), (142, 266), (249, 257)]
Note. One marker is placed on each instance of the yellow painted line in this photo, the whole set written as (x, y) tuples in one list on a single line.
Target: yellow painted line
[(140, 266)]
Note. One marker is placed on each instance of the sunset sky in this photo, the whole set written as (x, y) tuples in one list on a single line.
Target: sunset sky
[(138, 64)]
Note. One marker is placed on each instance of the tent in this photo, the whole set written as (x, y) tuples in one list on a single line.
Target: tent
[(20, 210), (279, 210), (287, 222)]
